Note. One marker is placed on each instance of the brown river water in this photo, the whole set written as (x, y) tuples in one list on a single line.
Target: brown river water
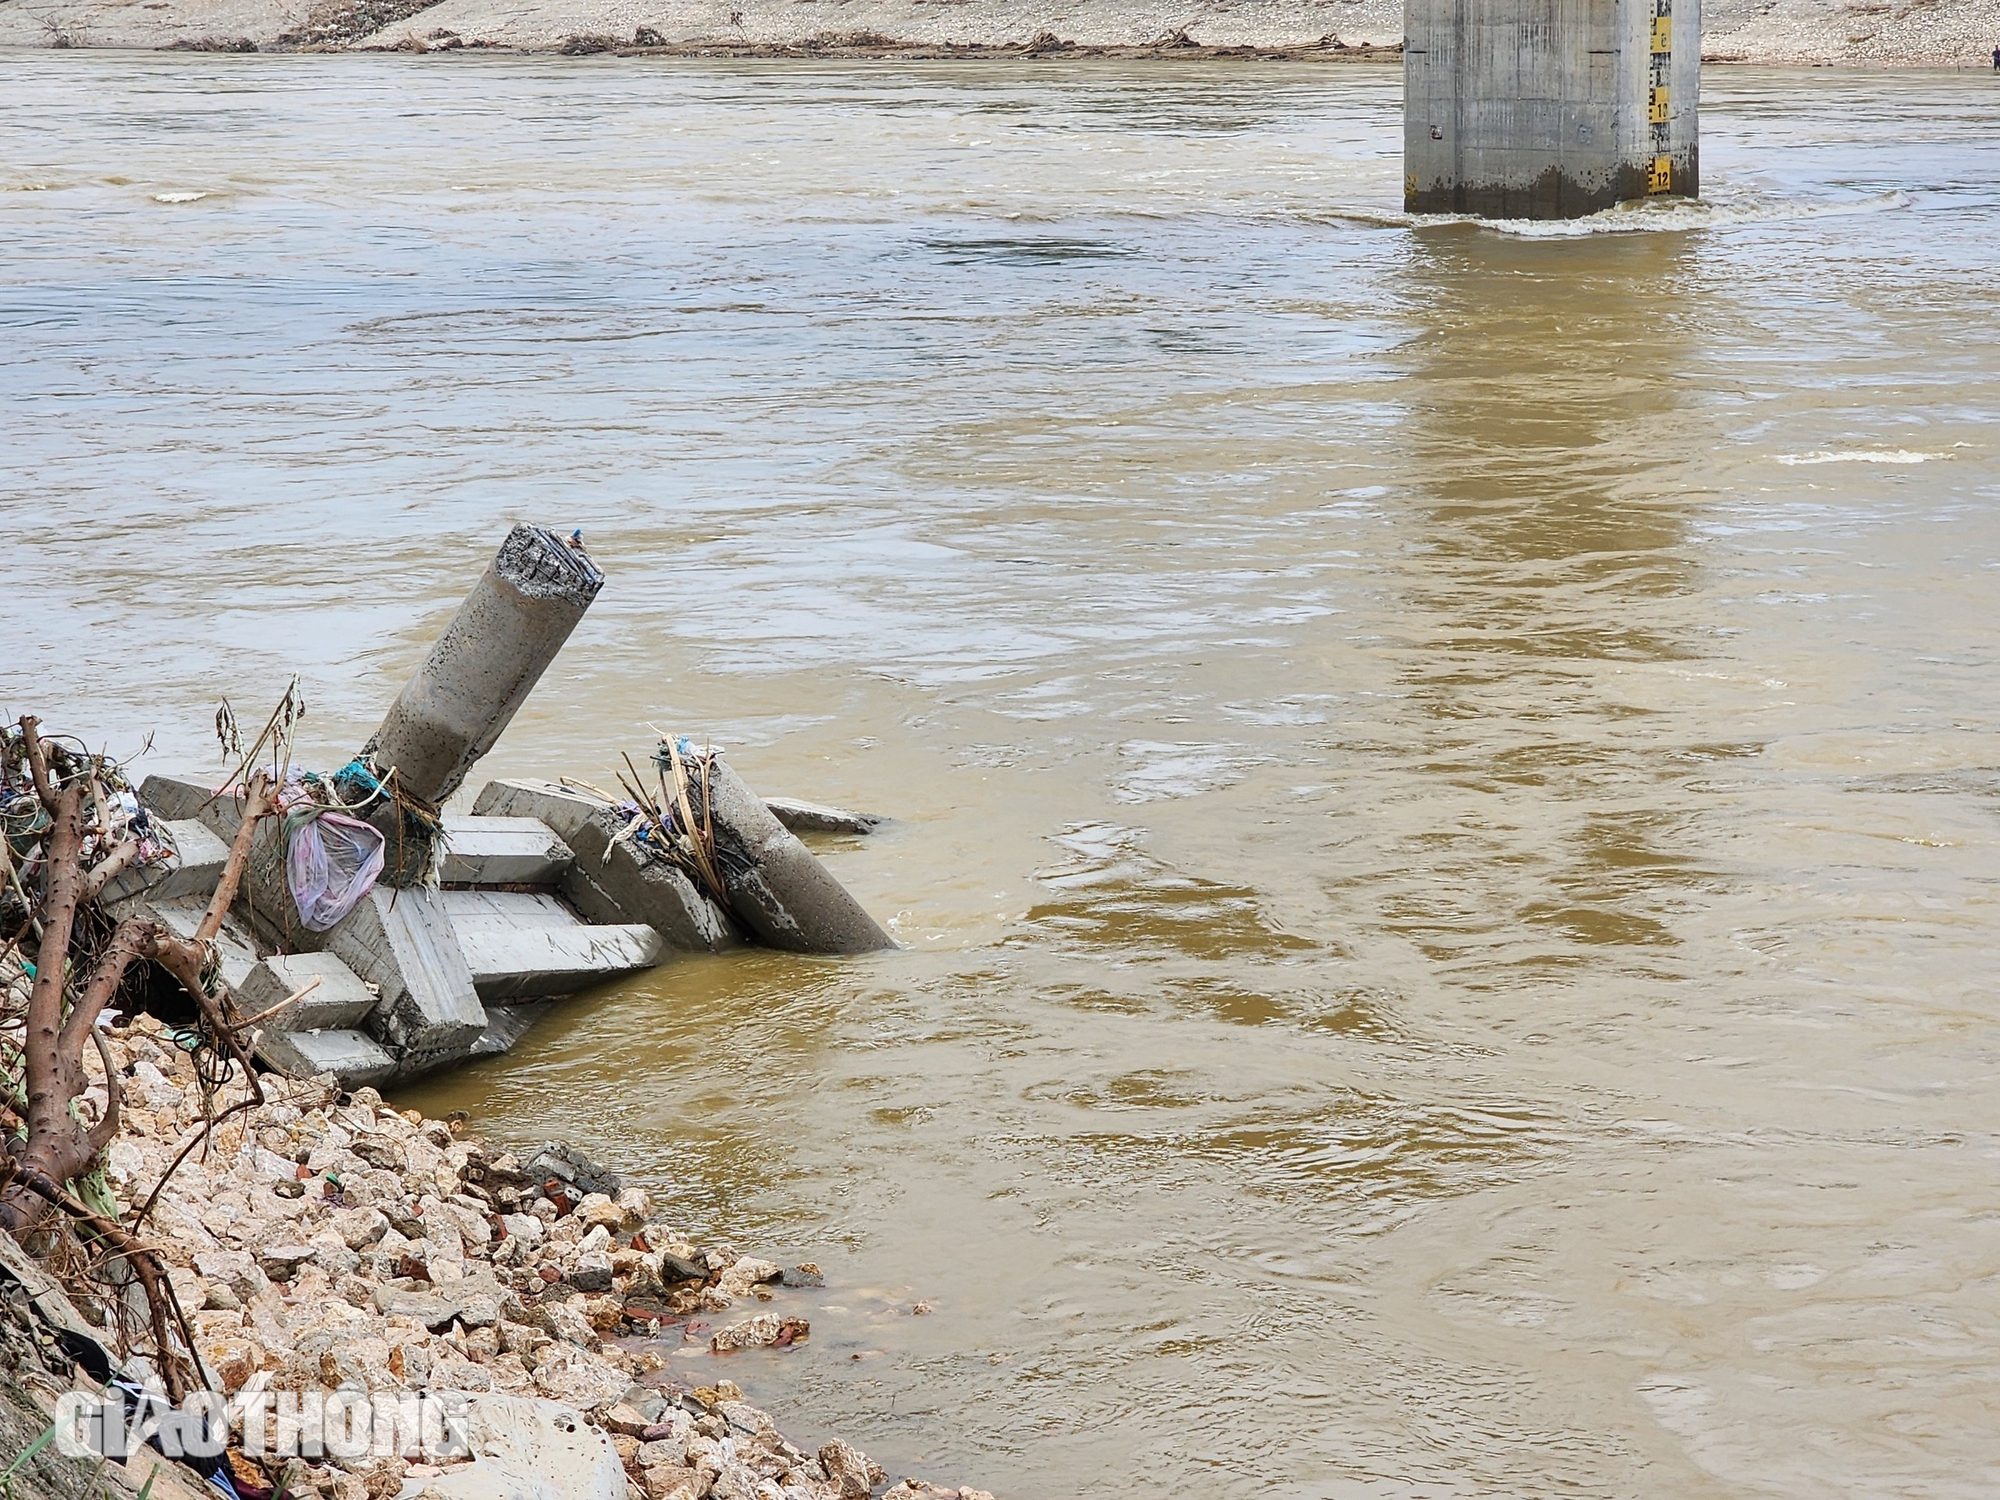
[(1446, 784)]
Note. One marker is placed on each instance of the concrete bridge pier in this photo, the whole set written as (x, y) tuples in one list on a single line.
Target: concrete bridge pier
[(1548, 109)]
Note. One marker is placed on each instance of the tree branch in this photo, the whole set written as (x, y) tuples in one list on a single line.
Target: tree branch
[(106, 1130), (108, 869), (145, 1265), (258, 803), (38, 762), (48, 1101), (136, 938)]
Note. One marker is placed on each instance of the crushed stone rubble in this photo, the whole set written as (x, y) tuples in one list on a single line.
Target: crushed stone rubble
[(328, 1241)]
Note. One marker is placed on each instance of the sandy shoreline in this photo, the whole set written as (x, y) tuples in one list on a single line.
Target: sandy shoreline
[(1794, 33)]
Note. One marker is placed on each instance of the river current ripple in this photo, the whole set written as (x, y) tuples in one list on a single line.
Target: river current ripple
[(1445, 780)]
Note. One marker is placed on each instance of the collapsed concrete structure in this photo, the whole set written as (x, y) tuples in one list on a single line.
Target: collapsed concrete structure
[(480, 922), (1549, 109)]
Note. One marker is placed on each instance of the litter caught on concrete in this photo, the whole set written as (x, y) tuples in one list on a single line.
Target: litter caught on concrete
[(465, 927), (201, 979)]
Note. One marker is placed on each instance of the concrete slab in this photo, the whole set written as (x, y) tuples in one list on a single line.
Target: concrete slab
[(263, 899), (529, 943), (353, 1057), (340, 999), (623, 887), (814, 817), (173, 797), (510, 962), (193, 870), (522, 908), (236, 944), (404, 942), (503, 851)]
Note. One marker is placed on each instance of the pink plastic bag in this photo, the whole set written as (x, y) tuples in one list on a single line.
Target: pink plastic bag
[(331, 862)]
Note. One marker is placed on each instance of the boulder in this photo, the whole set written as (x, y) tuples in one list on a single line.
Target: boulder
[(234, 1269), (574, 1170), (435, 1313), (851, 1469), (746, 1275), (281, 1259), (591, 1272), (760, 1332), (231, 1358), (579, 1381), (359, 1228), (672, 1482)]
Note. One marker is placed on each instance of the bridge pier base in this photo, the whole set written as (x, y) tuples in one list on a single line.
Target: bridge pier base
[(1548, 109)]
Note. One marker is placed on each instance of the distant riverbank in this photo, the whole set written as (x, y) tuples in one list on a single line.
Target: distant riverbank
[(1802, 33)]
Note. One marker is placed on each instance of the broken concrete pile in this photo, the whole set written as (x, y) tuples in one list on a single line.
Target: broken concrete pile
[(446, 936), (225, 1229), (325, 1242)]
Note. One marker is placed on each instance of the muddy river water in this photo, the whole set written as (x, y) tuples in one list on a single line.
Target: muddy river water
[(1446, 784)]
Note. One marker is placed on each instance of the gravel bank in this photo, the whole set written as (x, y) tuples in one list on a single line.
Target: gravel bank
[(330, 1243), (1855, 33)]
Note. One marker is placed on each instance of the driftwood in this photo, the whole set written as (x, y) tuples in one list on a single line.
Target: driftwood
[(76, 977)]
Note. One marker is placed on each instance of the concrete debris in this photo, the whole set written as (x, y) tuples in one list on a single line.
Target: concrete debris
[(812, 817), (401, 942), (190, 867), (404, 943), (329, 993), (353, 1057), (503, 851), (612, 880), (483, 667), (544, 890), (235, 945), (434, 959), (527, 944), (784, 895)]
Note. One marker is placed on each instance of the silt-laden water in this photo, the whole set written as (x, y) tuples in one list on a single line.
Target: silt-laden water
[(1446, 781)]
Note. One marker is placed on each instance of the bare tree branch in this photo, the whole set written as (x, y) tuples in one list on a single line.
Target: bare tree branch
[(258, 803), (38, 761), (48, 1098), (108, 869), (106, 1130)]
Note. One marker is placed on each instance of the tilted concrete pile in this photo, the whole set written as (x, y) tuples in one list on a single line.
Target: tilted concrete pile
[(778, 892), (483, 667), (480, 922)]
